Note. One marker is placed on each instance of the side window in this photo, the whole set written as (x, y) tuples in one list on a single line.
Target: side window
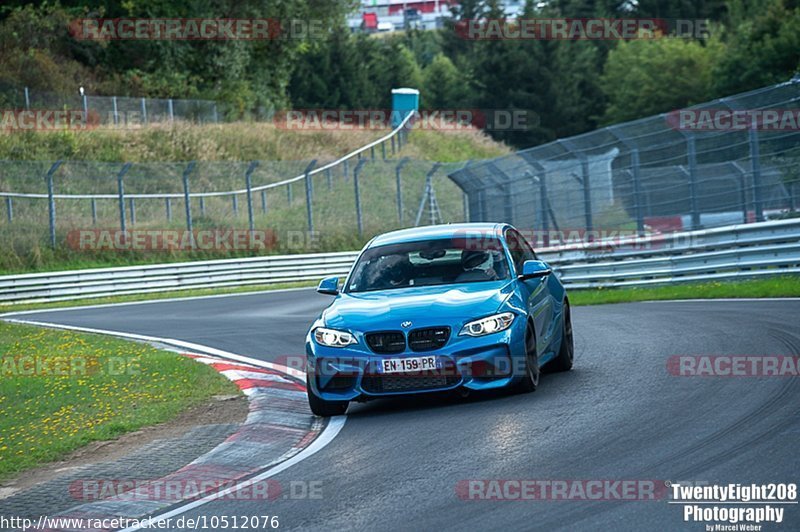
[(516, 249), (519, 248), (527, 249)]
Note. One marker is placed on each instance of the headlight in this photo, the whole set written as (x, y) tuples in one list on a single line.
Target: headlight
[(333, 338), (488, 325)]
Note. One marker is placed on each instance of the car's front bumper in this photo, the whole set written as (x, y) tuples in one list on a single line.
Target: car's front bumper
[(344, 374)]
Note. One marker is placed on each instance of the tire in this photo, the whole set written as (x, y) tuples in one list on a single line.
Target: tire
[(323, 408), (566, 353), (531, 379)]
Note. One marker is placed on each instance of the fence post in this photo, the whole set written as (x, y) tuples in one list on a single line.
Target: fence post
[(465, 198), (742, 190), (144, 111), (27, 99), (755, 161), (94, 211), (9, 209), (383, 150), (345, 168), (216, 116), (249, 183), (393, 148), (168, 202), (372, 152), (85, 107), (187, 198), (264, 200), (235, 204), (289, 194), (543, 206), (116, 115), (329, 178), (359, 219), (171, 113), (121, 194), (132, 206), (428, 195), (399, 185), (202, 205), (587, 195), (52, 203), (637, 191), (309, 195), (691, 154)]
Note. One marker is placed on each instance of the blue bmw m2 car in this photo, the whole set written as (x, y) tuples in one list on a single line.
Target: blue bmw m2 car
[(447, 307)]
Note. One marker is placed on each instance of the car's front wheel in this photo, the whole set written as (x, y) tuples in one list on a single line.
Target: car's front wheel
[(530, 379), (323, 408)]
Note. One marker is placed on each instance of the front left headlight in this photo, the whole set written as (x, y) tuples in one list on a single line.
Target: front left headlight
[(488, 325), (333, 338)]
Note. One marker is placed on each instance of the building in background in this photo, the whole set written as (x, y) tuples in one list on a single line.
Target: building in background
[(397, 15)]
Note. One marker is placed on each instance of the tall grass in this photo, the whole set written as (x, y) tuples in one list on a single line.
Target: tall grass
[(222, 152)]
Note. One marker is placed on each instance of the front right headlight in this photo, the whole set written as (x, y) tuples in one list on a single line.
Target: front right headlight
[(488, 325), (333, 337)]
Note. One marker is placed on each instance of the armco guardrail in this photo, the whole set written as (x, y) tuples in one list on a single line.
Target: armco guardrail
[(751, 250)]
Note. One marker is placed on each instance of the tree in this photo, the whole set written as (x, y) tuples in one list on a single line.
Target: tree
[(646, 77), (763, 46), (443, 86)]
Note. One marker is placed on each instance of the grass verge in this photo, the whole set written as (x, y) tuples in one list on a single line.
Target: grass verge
[(782, 286), (60, 390)]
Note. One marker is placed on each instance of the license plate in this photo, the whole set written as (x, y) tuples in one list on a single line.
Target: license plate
[(406, 365)]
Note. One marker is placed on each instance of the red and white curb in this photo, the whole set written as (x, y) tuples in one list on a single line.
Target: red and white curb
[(279, 431)]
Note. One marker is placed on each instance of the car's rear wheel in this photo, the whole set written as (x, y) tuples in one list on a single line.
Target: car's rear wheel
[(530, 380), (566, 353), (323, 408)]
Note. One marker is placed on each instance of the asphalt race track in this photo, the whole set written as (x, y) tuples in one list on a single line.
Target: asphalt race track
[(619, 415)]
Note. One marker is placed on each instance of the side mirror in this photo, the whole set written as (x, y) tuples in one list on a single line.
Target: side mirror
[(329, 285), (534, 268)]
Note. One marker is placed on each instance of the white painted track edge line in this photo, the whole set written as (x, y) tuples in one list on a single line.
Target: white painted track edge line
[(203, 349)]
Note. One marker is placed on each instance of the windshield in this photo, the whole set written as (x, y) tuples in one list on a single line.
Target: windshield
[(429, 262)]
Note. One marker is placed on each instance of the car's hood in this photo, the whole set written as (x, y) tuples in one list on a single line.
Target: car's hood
[(423, 306)]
